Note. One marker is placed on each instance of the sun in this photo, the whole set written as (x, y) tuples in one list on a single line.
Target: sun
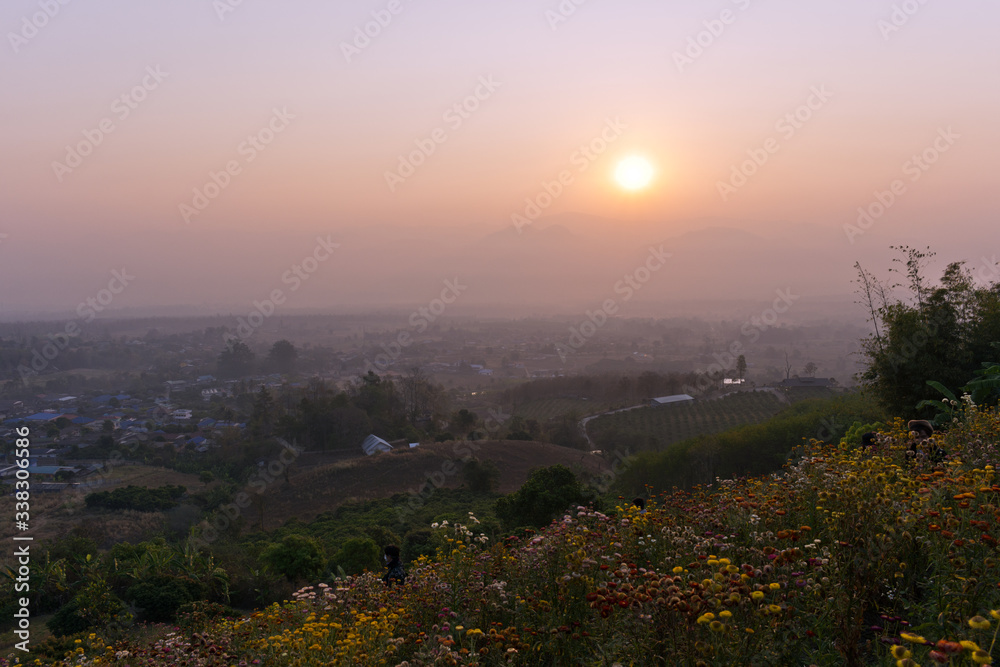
[(634, 173)]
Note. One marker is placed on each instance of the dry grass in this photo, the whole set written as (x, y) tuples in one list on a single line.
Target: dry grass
[(317, 490), (55, 515)]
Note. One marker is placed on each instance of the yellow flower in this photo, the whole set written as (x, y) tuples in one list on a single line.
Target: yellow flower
[(969, 646), (979, 623), (775, 586), (982, 658), (757, 595), (995, 614), (725, 614), (909, 637), (677, 570), (716, 626), (900, 652), (774, 609)]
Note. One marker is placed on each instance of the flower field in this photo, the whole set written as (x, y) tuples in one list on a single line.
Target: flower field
[(848, 557)]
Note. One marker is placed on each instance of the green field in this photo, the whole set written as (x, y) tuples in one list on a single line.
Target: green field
[(655, 428), (545, 409)]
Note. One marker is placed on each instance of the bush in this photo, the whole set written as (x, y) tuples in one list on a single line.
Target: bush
[(417, 543), (198, 615), (547, 493), (357, 555), (481, 476), (137, 498), (296, 557), (95, 605), (161, 597)]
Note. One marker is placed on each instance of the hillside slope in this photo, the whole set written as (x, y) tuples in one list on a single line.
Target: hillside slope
[(312, 492)]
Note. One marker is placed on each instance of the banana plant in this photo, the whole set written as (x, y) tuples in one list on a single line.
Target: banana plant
[(986, 387), (946, 408)]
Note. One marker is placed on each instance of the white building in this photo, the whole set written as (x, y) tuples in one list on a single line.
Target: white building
[(666, 400), (374, 444)]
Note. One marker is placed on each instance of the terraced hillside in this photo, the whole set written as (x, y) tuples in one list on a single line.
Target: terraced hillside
[(658, 427)]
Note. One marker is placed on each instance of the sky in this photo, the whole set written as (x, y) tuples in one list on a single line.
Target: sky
[(204, 149)]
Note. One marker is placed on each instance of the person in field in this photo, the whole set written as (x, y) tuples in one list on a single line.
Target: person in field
[(921, 431), (396, 573)]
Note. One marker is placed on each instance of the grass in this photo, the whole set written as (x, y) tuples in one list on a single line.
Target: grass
[(546, 409), (658, 427)]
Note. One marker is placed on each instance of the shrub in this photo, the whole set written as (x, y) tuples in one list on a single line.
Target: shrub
[(547, 493), (357, 555), (95, 605), (296, 557), (159, 598), (481, 476)]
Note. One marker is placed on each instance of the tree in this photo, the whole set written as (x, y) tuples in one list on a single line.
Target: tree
[(741, 367), (464, 421), (283, 356), (874, 297), (298, 557), (810, 369), (942, 333), (547, 494), (262, 416), (236, 360), (421, 398), (481, 476), (357, 555)]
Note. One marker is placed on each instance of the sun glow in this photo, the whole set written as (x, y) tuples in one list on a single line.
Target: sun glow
[(634, 173)]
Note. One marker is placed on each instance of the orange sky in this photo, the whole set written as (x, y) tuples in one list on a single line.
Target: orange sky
[(309, 118)]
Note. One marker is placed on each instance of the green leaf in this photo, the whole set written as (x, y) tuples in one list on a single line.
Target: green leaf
[(943, 389)]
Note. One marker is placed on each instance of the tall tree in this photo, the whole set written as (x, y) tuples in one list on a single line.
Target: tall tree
[(262, 417), (942, 332), (283, 356), (236, 360)]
